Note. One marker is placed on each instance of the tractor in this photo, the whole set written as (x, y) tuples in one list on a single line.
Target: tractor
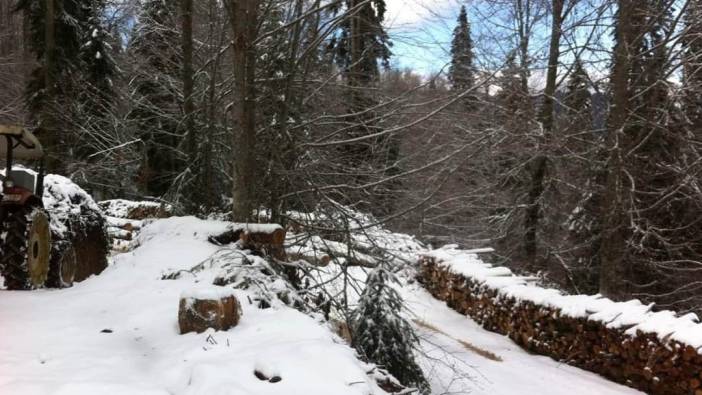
[(25, 229)]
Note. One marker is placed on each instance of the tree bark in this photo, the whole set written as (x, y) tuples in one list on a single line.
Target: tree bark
[(49, 135), (188, 84), (533, 211), (243, 16), (613, 248)]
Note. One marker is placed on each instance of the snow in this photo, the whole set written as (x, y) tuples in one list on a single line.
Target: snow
[(65, 200), (255, 228), (632, 314), (117, 333), (208, 293), (120, 208)]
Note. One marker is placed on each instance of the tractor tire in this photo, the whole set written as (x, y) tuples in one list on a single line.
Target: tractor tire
[(26, 249), (63, 266)]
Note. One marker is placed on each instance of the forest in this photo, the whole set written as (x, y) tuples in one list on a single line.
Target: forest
[(563, 134)]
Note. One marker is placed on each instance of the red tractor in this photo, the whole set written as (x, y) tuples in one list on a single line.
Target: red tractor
[(25, 234)]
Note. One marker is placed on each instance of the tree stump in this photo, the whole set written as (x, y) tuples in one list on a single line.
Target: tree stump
[(213, 307)]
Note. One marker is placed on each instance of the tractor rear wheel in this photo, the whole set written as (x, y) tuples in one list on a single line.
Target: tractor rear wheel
[(26, 248), (63, 266)]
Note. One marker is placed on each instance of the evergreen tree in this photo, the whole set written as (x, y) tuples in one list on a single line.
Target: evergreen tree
[(513, 98), (461, 70), (362, 41), (156, 88), (96, 53), (577, 99), (360, 44), (692, 66), (582, 206), (648, 201), (55, 39), (95, 102), (381, 335)]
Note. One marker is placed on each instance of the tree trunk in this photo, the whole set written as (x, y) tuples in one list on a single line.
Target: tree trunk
[(243, 16), (49, 135), (533, 211), (613, 248), (188, 104)]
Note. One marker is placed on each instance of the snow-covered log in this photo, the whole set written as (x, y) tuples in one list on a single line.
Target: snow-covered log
[(264, 239)]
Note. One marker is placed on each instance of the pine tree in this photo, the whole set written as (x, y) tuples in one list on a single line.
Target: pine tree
[(584, 205), (461, 70), (156, 88), (381, 335), (96, 52), (55, 39), (692, 66), (648, 235), (362, 41), (578, 95), (360, 46)]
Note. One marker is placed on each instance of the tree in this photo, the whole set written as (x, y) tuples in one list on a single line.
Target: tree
[(360, 44), (640, 144), (541, 162), (55, 40), (461, 70), (692, 65), (381, 334), (155, 90), (243, 17)]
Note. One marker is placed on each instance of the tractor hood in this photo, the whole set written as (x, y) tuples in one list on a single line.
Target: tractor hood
[(25, 144)]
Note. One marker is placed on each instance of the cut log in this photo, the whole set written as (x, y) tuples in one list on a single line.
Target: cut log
[(262, 239), (214, 307)]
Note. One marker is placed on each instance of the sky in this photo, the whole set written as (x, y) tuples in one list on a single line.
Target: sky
[(421, 32)]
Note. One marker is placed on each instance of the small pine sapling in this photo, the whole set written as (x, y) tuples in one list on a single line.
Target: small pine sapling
[(381, 335)]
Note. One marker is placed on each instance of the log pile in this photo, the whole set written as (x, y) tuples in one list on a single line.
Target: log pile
[(644, 361)]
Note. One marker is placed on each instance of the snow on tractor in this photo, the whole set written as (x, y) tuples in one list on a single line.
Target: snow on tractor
[(51, 231)]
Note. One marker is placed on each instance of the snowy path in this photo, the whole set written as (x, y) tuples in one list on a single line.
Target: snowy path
[(517, 373)]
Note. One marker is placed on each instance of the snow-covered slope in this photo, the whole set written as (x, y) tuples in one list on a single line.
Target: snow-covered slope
[(117, 334)]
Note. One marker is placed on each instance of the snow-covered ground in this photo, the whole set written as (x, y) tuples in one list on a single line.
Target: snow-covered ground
[(117, 334)]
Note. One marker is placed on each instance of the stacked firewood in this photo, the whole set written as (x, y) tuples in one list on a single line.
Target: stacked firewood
[(644, 361)]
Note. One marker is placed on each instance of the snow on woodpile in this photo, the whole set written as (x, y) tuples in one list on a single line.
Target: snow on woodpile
[(78, 221), (135, 210), (628, 342), (67, 202), (631, 314)]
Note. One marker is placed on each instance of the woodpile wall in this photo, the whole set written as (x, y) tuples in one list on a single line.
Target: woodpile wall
[(647, 361)]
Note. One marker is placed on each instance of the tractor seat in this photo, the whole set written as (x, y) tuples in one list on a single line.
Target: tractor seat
[(24, 143)]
